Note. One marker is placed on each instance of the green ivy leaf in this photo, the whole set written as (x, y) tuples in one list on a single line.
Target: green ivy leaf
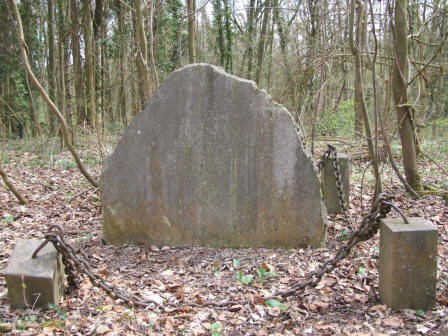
[(419, 312), (247, 279), (236, 262), (276, 303)]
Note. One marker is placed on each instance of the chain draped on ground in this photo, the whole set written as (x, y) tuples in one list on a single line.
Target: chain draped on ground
[(75, 264)]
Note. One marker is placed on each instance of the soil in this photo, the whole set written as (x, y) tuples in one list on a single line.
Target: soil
[(344, 303)]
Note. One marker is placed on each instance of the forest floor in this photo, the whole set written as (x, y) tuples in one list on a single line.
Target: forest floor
[(344, 303)]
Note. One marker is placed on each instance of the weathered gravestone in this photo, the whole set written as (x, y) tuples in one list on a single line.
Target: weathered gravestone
[(212, 161)]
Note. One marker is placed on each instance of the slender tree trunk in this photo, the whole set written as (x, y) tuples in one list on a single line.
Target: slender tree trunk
[(250, 33), (98, 58), (122, 59), (361, 27), (218, 15), (191, 34), (152, 61), (35, 131), (51, 68), (270, 54), (52, 107), (400, 95), (261, 42), (229, 56), (77, 69), (62, 62), (89, 65), (359, 90), (142, 55)]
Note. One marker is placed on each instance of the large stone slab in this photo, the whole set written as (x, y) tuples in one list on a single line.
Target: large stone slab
[(212, 161)]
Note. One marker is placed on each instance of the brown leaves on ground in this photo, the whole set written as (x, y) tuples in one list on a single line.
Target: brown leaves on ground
[(344, 303)]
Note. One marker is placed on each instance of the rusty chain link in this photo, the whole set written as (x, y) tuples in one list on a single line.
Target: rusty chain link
[(331, 152), (72, 262)]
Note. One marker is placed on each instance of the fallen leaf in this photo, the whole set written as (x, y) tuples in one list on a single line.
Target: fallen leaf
[(393, 321), (169, 323), (102, 329)]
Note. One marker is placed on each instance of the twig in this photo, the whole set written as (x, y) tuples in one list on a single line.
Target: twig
[(80, 193), (11, 187)]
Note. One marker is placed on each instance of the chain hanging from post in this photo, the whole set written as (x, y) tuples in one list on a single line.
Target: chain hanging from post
[(366, 230), (331, 152)]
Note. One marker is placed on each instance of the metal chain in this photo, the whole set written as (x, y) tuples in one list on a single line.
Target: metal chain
[(331, 152), (367, 229), (72, 261)]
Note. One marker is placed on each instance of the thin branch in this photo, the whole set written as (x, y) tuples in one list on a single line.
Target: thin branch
[(52, 107), (11, 187)]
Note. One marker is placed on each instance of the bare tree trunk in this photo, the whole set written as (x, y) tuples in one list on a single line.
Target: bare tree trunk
[(51, 58), (53, 108), (261, 44), (155, 77), (399, 90), (250, 33), (142, 55), (218, 14), (62, 63), (89, 65), (359, 90), (77, 70), (121, 11), (229, 57), (36, 127), (360, 43), (191, 35)]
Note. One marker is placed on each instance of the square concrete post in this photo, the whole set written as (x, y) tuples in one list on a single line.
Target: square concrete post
[(39, 281), (329, 190), (408, 265)]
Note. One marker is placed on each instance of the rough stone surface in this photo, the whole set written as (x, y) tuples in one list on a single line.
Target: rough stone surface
[(408, 265), (39, 280), (329, 190), (211, 161)]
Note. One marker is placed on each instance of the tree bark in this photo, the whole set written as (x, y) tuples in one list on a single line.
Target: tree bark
[(142, 55), (359, 90), (89, 65), (229, 57), (53, 108), (261, 41), (77, 69), (250, 34), (51, 68), (218, 14), (191, 34), (152, 61), (400, 95), (121, 12)]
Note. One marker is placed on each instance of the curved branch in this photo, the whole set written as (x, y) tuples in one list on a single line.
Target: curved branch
[(11, 187), (52, 107)]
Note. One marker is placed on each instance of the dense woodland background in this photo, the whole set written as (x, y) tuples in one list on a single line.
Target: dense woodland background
[(348, 69)]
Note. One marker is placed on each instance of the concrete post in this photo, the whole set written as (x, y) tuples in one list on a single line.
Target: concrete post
[(329, 190), (408, 265), (34, 282)]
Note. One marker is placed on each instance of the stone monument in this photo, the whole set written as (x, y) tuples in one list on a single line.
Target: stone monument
[(212, 161)]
